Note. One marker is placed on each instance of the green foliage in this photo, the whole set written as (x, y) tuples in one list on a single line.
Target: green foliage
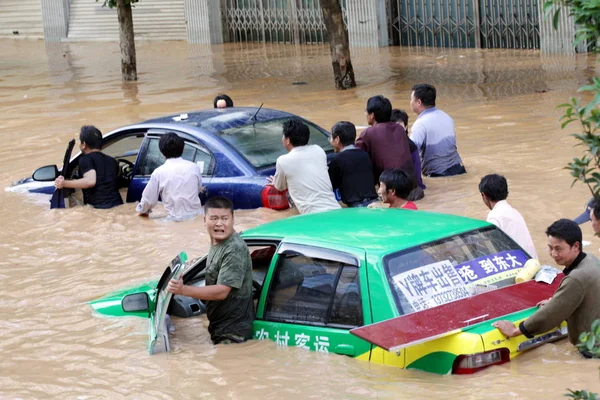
[(582, 395), (113, 3), (588, 342), (586, 116), (585, 14)]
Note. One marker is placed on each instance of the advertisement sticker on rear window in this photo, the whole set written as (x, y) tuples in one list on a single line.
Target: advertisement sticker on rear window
[(431, 285), (492, 268)]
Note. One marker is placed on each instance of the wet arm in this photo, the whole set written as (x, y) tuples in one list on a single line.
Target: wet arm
[(212, 292), (566, 300), (417, 135), (279, 180), (335, 174), (88, 181), (149, 195), (363, 142)]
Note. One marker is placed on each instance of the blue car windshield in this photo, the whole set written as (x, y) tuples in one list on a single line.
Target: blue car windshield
[(454, 268), (261, 143)]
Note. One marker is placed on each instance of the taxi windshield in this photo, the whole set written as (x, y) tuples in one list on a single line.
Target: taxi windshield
[(453, 268), (261, 143)]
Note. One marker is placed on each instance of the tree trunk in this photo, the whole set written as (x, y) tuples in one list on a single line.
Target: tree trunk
[(343, 73), (127, 41)]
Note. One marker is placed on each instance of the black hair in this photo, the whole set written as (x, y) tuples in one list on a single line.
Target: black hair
[(398, 180), (228, 101), (171, 145), (399, 116), (297, 131), (494, 186), (566, 230), (91, 136), (218, 202), (426, 93), (380, 107), (596, 210), (346, 131)]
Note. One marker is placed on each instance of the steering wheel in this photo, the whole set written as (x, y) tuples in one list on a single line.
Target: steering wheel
[(126, 168)]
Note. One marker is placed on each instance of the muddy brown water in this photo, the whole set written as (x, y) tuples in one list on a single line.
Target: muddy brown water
[(52, 262)]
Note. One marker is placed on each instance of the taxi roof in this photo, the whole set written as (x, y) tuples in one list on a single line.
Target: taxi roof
[(377, 230)]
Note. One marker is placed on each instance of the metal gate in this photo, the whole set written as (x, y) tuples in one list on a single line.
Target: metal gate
[(275, 21), (465, 23)]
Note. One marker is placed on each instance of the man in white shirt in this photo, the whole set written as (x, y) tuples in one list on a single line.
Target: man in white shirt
[(494, 191), (178, 182), (303, 171)]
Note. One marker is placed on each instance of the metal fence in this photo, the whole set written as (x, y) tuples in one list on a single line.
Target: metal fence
[(431, 23), (465, 23), (275, 21)]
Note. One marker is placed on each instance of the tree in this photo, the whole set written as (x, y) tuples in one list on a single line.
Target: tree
[(343, 73), (586, 169), (126, 38)]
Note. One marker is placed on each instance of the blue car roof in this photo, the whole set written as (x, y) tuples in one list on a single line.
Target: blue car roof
[(216, 120)]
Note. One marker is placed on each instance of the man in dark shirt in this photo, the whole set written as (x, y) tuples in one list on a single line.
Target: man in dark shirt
[(401, 118), (386, 142), (228, 290), (100, 172), (350, 170)]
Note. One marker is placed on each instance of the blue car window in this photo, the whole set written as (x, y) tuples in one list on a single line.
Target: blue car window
[(456, 267), (261, 144), (191, 152), (314, 291)]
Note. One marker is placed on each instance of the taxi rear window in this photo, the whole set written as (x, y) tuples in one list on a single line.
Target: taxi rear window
[(261, 143), (453, 268)]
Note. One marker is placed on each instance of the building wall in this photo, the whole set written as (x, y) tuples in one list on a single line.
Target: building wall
[(21, 18)]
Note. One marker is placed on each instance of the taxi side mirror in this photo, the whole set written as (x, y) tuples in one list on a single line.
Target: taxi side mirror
[(135, 302), (45, 174)]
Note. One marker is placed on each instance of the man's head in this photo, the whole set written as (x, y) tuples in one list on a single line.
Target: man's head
[(218, 218), (400, 117), (379, 110), (493, 188), (394, 184), (171, 145), (342, 134), (223, 101), (595, 217), (564, 241), (90, 139), (295, 133), (422, 98)]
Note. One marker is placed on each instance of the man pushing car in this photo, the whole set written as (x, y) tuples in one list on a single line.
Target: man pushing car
[(576, 300), (228, 290)]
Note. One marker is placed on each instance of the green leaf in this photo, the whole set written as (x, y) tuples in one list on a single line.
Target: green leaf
[(555, 18), (591, 342)]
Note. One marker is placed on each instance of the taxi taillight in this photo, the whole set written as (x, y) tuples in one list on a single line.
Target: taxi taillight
[(275, 199), (471, 363)]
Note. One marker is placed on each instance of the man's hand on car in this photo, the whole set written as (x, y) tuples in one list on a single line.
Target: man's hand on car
[(175, 286)]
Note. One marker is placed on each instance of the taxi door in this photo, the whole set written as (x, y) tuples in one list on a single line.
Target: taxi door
[(311, 298)]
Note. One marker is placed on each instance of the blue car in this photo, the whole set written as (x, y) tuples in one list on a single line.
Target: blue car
[(236, 148)]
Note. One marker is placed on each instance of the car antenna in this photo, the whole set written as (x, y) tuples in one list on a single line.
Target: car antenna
[(257, 111)]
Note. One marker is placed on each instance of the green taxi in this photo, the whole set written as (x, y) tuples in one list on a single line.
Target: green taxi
[(411, 289)]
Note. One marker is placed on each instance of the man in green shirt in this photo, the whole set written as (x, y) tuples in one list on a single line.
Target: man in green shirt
[(228, 290), (577, 299)]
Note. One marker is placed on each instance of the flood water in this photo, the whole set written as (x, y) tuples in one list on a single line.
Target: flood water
[(53, 262)]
